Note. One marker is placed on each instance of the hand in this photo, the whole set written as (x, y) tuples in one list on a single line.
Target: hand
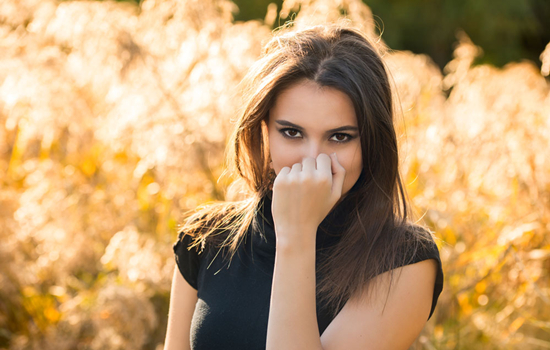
[(304, 195)]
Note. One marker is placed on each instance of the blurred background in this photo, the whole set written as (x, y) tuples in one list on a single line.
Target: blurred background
[(114, 118)]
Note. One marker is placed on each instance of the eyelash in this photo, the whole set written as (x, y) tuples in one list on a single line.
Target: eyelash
[(283, 132)]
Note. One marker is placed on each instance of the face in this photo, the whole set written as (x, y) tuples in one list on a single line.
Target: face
[(307, 120)]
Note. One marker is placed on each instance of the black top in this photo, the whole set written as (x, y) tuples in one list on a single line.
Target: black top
[(233, 300)]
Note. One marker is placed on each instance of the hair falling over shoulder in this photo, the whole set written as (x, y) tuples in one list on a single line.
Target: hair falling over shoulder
[(379, 236)]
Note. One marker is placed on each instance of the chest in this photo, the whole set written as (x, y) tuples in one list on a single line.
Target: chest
[(232, 310)]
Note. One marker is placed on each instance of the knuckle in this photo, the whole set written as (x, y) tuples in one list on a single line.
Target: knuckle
[(323, 180), (306, 178), (291, 179)]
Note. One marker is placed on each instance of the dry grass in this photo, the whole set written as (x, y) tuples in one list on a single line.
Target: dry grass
[(114, 118)]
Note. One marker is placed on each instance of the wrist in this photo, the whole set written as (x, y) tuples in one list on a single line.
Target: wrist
[(295, 240)]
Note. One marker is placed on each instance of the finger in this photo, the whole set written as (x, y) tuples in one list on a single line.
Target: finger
[(308, 165), (339, 175), (323, 164), (284, 171), (296, 168)]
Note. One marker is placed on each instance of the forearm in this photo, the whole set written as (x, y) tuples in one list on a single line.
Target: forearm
[(292, 317)]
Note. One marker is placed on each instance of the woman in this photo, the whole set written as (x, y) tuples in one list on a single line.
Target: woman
[(321, 255)]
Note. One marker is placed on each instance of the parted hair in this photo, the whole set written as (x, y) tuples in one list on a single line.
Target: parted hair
[(379, 230)]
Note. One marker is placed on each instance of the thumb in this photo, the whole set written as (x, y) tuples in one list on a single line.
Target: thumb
[(339, 174)]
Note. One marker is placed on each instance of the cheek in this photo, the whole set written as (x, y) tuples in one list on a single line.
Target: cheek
[(282, 154), (282, 159), (354, 166), (351, 160)]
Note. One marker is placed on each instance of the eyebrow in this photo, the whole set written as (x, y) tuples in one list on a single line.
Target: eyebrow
[(342, 128)]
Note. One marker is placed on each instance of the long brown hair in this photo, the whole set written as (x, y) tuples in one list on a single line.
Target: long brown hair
[(378, 232)]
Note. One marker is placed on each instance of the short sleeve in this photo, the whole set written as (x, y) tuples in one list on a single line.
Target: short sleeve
[(427, 251), (188, 260)]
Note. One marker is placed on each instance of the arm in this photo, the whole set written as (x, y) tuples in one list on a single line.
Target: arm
[(292, 320), (302, 197), (363, 323), (183, 298)]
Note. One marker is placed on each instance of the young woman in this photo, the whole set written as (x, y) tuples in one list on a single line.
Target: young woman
[(322, 254)]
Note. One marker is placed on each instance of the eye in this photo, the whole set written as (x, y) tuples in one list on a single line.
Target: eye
[(289, 133), (341, 137)]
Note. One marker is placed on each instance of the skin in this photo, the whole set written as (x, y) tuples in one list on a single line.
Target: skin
[(325, 109), (313, 141), (313, 173), (183, 298), (308, 184)]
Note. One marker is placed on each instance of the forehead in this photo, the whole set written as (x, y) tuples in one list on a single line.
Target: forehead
[(313, 106)]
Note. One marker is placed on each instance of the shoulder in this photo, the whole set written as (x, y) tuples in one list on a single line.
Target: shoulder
[(373, 321), (202, 228), (420, 257), (209, 217), (399, 301), (217, 224), (417, 243), (417, 254)]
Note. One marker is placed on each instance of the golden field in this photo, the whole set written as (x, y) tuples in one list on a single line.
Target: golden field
[(114, 120)]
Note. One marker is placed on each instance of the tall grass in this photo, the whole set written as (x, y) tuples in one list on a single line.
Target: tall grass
[(114, 119)]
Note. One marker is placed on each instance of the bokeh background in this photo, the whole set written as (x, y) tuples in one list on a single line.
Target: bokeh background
[(114, 118)]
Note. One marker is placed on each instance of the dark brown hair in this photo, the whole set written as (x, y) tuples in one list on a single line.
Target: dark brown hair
[(378, 232)]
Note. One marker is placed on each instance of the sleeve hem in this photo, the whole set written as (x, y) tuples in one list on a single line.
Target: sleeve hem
[(186, 260)]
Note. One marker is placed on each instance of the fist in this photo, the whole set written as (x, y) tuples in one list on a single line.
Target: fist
[(303, 196)]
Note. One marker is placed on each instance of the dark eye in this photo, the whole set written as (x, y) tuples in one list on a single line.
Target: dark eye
[(290, 133), (340, 137)]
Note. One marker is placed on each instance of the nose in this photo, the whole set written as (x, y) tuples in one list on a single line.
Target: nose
[(313, 149)]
